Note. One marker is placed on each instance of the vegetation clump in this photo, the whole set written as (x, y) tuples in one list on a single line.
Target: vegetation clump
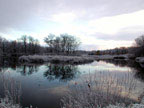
[(101, 91), (55, 59)]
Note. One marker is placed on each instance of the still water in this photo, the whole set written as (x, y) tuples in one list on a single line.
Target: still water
[(44, 85)]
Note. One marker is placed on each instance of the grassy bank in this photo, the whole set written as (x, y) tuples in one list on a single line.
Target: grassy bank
[(103, 91), (55, 59)]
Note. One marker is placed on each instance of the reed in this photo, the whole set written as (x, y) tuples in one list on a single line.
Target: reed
[(100, 90)]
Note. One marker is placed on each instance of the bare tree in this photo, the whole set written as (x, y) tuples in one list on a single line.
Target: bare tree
[(24, 39), (3, 42), (70, 43), (31, 45), (1, 46), (36, 47), (49, 40), (64, 43), (140, 41), (139, 50)]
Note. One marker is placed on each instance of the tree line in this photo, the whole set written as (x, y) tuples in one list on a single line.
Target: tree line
[(23, 45), (28, 45), (137, 49), (64, 43)]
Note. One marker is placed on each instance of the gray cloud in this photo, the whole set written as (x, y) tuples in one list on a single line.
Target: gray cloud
[(127, 34), (100, 8), (17, 14)]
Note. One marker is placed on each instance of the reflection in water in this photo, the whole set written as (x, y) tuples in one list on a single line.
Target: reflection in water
[(61, 71), (121, 63), (44, 85), (28, 69), (139, 71), (8, 62)]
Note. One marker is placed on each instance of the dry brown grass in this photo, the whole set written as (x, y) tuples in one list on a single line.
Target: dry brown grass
[(100, 90), (11, 87)]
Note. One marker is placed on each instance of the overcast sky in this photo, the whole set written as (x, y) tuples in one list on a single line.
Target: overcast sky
[(99, 24)]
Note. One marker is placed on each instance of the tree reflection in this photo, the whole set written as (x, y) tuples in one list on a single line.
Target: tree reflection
[(139, 71), (6, 62), (120, 63), (28, 69), (61, 71)]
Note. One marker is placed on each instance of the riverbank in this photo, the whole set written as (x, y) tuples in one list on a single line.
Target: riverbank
[(140, 105), (5, 103), (55, 59), (104, 93), (110, 57), (125, 57), (140, 60), (78, 59), (70, 59)]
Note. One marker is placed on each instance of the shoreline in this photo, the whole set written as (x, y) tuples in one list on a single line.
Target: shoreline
[(77, 59), (55, 59)]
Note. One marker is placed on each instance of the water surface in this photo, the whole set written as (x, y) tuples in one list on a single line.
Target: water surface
[(44, 85)]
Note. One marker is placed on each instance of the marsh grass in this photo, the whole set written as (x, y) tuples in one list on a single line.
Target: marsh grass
[(11, 87), (11, 91), (100, 90)]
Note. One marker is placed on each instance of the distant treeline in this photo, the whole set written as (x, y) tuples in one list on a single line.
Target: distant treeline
[(137, 49), (27, 45), (62, 44), (116, 51), (24, 45)]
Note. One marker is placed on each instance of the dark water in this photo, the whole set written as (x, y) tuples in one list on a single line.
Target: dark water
[(44, 85)]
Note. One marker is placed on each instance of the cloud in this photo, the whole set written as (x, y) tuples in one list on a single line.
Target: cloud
[(101, 8), (123, 27), (63, 17), (112, 25), (126, 34), (98, 23), (18, 14)]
